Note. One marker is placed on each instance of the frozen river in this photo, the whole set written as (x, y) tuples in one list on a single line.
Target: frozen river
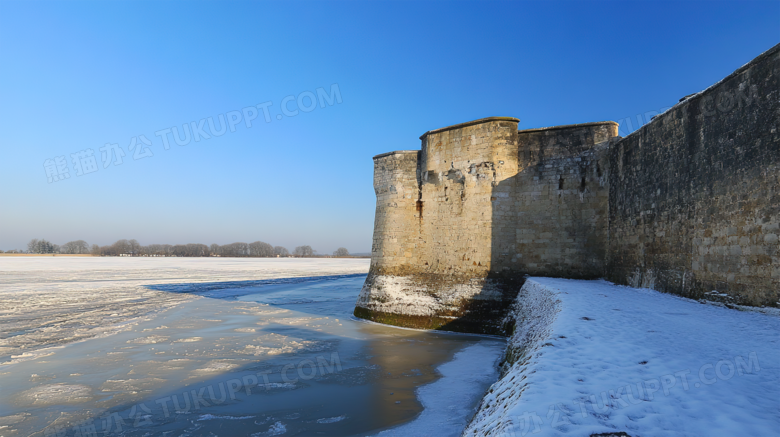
[(212, 346)]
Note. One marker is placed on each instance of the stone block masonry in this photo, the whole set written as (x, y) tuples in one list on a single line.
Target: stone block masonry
[(694, 199), (432, 251), (687, 204), (561, 202), (459, 223)]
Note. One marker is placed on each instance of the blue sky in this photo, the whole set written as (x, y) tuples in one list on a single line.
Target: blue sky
[(80, 75)]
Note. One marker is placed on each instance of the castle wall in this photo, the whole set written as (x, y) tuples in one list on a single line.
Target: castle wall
[(559, 203), (562, 208), (446, 280), (493, 205), (695, 195), (688, 204), (462, 169), (396, 186), (568, 141)]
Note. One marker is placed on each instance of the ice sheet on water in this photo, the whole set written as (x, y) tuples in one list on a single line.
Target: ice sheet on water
[(218, 417), (332, 419), (278, 386), (234, 289), (276, 347), (56, 394), (26, 356), (218, 366), (131, 385), (46, 302), (188, 340), (278, 428), (13, 419), (168, 342), (152, 339)]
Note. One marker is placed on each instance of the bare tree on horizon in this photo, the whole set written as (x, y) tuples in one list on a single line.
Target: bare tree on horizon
[(76, 247), (132, 247), (259, 248), (304, 251), (41, 246)]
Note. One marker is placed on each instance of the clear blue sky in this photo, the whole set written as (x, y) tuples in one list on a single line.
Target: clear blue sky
[(76, 76)]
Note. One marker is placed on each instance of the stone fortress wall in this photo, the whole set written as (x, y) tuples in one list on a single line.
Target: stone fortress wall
[(694, 204), (688, 204), (560, 201)]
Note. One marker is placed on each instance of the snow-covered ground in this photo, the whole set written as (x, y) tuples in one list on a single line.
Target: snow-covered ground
[(595, 358)]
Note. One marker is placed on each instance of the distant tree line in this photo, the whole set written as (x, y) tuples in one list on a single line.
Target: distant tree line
[(133, 248), (43, 246)]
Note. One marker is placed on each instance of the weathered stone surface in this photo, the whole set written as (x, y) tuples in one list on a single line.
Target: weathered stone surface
[(561, 201), (689, 204), (695, 195), (459, 225)]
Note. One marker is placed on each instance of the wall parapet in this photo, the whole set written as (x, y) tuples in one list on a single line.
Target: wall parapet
[(570, 126), (469, 123), (397, 152)]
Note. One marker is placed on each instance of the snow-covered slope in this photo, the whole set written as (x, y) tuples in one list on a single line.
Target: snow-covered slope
[(590, 357)]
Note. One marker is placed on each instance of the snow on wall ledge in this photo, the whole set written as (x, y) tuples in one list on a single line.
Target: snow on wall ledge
[(592, 358)]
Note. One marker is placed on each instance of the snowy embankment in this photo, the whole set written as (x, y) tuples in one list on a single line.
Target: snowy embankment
[(589, 357)]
